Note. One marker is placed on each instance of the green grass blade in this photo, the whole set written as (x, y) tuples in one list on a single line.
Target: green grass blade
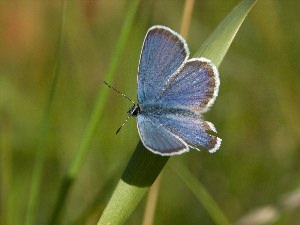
[(217, 44), (96, 114), (44, 128), (6, 172), (127, 194), (201, 193), (140, 173), (121, 204), (215, 49), (102, 95)]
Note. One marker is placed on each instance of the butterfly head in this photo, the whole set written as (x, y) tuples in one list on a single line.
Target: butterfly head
[(134, 111)]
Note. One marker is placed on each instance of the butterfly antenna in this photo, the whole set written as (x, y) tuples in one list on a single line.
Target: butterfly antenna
[(122, 124), (125, 97), (119, 93)]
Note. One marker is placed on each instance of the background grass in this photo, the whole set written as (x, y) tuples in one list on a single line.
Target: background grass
[(256, 113)]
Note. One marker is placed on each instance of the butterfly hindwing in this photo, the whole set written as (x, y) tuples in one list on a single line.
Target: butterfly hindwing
[(157, 139), (193, 132)]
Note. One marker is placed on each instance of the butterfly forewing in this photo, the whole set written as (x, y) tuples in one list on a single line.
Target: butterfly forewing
[(163, 54)]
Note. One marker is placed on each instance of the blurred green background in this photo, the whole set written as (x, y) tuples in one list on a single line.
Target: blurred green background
[(256, 113)]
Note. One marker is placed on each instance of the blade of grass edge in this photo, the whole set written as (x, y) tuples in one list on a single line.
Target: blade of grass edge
[(44, 128), (127, 195), (96, 114), (201, 193), (215, 48), (217, 44)]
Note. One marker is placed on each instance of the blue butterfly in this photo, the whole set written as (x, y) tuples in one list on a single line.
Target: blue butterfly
[(173, 93)]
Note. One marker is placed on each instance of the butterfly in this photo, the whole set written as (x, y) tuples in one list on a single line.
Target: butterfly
[(173, 93)]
